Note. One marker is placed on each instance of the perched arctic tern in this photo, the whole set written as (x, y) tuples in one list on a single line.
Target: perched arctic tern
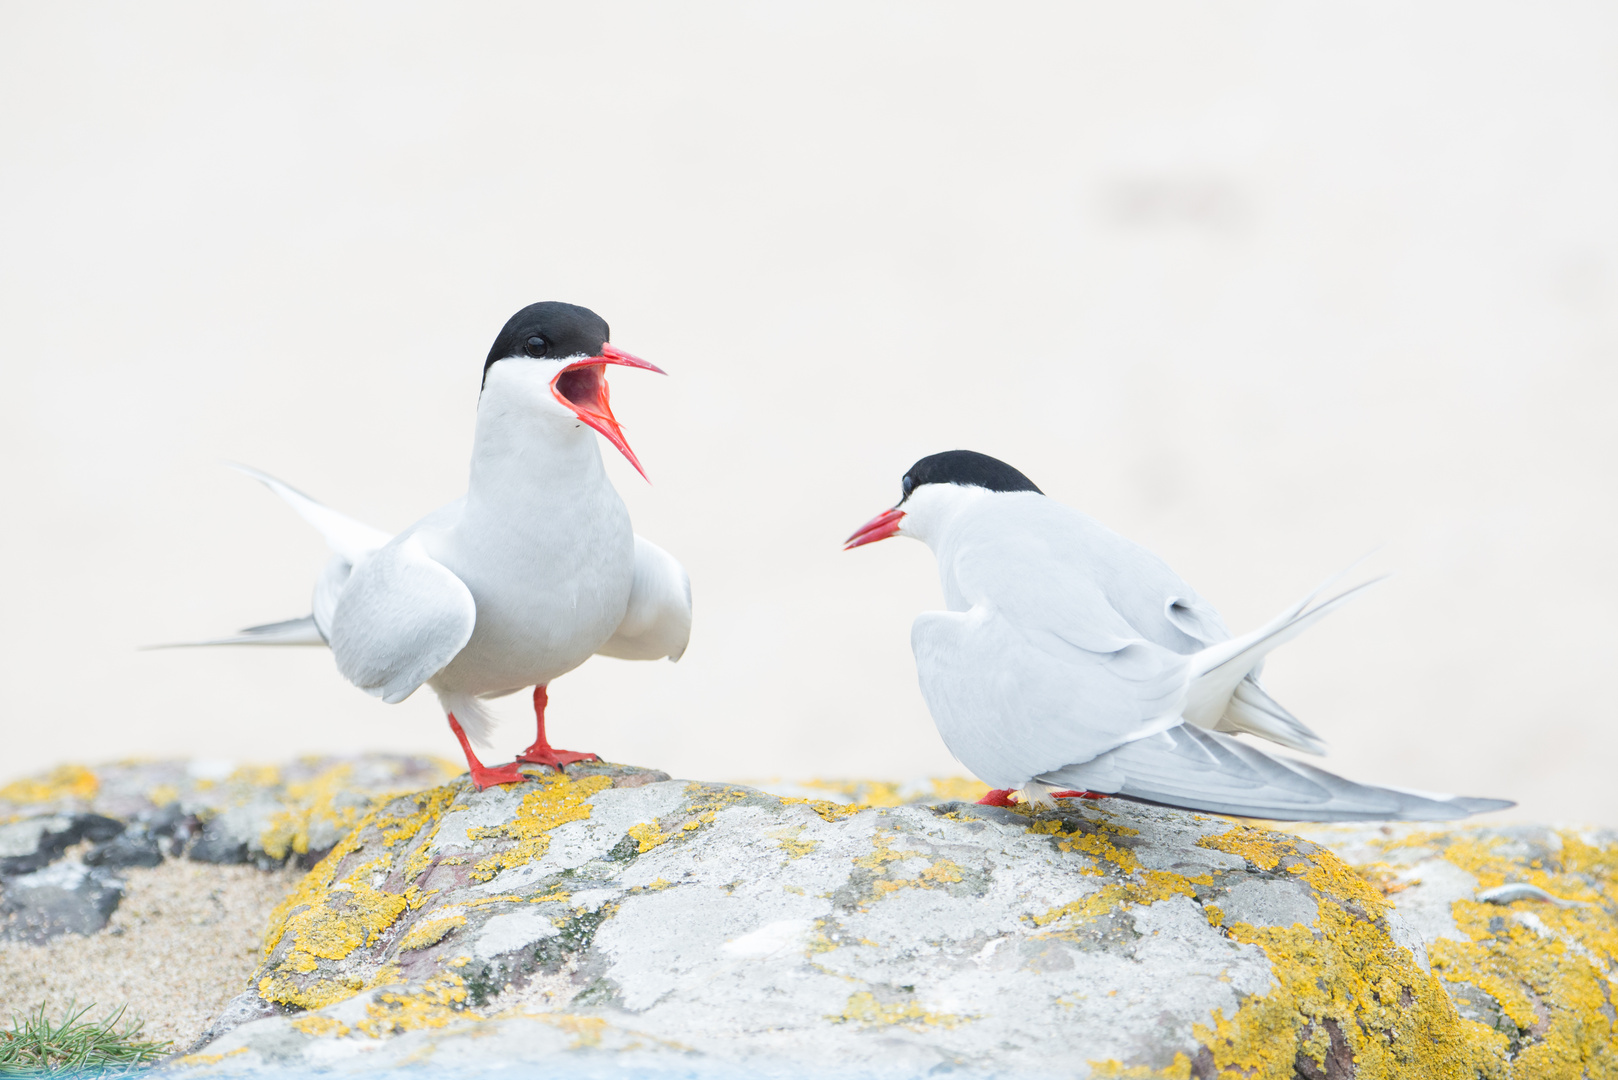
[(532, 572), (1070, 657)]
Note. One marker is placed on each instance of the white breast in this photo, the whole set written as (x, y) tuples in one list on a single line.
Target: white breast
[(542, 541)]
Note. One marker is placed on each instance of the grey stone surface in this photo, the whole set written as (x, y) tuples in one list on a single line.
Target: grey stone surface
[(29, 844), (674, 925), (68, 897), (135, 846), (1269, 903)]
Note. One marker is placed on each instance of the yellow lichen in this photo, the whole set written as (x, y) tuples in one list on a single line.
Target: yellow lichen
[(163, 794), (586, 1030), (1346, 973), (438, 1003), (430, 932), (958, 789), (320, 1026), (828, 810), (649, 836), (327, 917), (861, 792), (254, 776), (1550, 968), (1113, 1069), (1147, 887), (883, 856), (311, 802), (864, 1008), (556, 800), (208, 1059), (63, 782)]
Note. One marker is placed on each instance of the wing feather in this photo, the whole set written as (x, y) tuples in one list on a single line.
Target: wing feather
[(1010, 705), (657, 622), (401, 617), (1193, 769)]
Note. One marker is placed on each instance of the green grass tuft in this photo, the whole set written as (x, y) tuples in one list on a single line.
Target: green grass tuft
[(34, 1045)]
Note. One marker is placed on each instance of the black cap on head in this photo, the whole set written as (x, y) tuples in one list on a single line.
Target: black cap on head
[(549, 330), (966, 467)]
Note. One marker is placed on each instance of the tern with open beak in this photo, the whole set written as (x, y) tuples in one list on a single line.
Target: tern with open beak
[(527, 576), (1070, 657)]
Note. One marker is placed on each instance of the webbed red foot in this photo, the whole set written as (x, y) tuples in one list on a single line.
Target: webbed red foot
[(999, 797), (541, 752), (484, 776)]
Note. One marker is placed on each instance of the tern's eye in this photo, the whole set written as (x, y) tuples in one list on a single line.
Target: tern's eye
[(908, 485), (536, 347)]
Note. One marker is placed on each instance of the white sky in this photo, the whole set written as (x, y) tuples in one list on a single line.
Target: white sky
[(1262, 286)]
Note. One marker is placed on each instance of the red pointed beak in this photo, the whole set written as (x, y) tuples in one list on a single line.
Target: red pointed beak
[(881, 527), (582, 387)]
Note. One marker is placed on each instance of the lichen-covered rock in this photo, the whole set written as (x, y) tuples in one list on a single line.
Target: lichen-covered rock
[(1518, 924), (210, 811), (613, 916), (137, 813)]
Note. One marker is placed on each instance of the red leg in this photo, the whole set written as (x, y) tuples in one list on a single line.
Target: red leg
[(1000, 796), (541, 753), (1076, 795), (484, 777)]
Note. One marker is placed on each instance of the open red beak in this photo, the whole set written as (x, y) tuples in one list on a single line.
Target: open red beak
[(582, 387), (881, 527)]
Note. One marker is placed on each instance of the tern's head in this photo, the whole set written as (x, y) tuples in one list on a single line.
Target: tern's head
[(552, 356), (933, 487)]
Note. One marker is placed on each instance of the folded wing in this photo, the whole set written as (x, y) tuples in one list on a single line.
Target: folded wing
[(400, 618), (1011, 704), (657, 622), (1193, 769)]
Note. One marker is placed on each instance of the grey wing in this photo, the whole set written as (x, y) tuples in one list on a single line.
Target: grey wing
[(1010, 705), (1195, 769), (657, 622), (400, 618)]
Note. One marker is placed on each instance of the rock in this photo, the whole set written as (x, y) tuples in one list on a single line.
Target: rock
[(27, 845), (136, 813), (68, 897), (216, 812), (135, 846), (613, 919)]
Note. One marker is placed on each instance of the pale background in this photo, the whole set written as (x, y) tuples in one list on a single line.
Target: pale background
[(1263, 286)]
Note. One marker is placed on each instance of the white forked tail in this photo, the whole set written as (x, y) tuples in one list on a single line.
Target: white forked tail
[(287, 632), (1218, 670), (350, 540)]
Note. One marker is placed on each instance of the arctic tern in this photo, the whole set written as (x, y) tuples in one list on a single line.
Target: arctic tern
[(1070, 657), (532, 572)]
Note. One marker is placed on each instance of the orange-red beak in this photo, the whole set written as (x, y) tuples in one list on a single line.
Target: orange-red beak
[(582, 387), (881, 527)]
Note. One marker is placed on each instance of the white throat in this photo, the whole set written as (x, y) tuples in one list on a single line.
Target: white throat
[(527, 445), (932, 510)]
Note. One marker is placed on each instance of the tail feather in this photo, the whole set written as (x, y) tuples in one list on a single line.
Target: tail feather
[(1254, 711), (1217, 670), (476, 720), (1193, 769), (287, 632), (351, 539)]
